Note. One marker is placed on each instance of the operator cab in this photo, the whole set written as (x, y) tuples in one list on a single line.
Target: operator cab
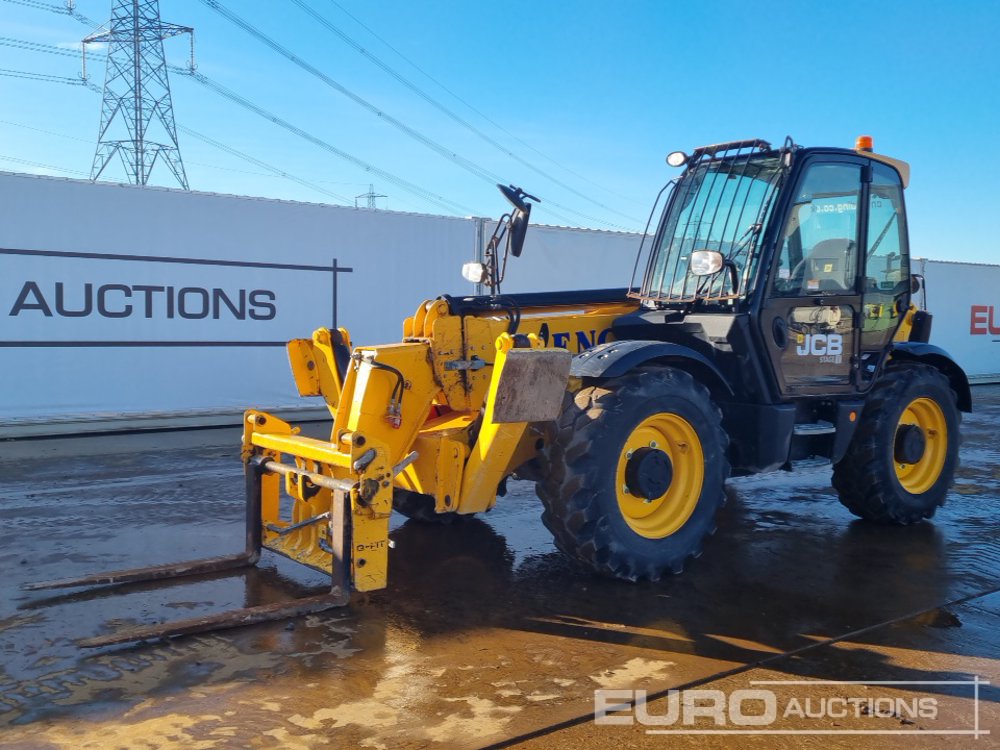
[(788, 267)]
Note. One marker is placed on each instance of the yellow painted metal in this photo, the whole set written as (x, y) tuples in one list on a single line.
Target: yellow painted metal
[(926, 414), (496, 444), (451, 364), (267, 436), (572, 329), (368, 395), (369, 532), (304, 370), (448, 344), (301, 446), (370, 499), (442, 446), (314, 366), (662, 516), (903, 332)]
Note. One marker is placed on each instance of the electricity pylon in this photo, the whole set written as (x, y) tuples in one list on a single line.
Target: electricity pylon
[(137, 115)]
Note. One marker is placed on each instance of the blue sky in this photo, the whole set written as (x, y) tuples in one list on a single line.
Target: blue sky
[(591, 94)]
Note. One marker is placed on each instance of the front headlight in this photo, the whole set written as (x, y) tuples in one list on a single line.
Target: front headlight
[(474, 272)]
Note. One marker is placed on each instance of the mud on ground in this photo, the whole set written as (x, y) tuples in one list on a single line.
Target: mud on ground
[(487, 635)]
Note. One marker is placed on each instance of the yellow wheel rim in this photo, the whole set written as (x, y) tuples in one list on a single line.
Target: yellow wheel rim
[(664, 515), (920, 477)]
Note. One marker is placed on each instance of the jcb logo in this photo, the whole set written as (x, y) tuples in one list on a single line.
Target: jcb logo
[(820, 344)]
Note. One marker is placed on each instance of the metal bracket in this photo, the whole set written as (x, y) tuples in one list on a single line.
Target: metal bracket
[(466, 364)]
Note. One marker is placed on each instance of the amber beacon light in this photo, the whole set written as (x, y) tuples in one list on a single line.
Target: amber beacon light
[(864, 143)]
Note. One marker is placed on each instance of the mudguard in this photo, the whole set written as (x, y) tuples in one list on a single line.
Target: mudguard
[(937, 357), (616, 358)]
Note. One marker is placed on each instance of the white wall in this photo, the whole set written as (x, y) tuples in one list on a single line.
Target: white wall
[(397, 260), (60, 372), (965, 301), (559, 258)]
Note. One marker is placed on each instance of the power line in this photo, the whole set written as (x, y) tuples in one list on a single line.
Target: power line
[(451, 93), (50, 49), (440, 201), (46, 132), (438, 148), (264, 165), (470, 166), (31, 76), (69, 9), (15, 160), (271, 170), (40, 6), (445, 110)]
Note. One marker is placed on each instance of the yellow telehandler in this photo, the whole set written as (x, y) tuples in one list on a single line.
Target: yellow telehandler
[(769, 319)]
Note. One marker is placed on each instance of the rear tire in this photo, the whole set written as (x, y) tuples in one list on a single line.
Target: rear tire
[(872, 479), (595, 516)]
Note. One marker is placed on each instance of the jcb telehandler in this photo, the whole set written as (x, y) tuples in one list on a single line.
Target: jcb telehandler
[(773, 321)]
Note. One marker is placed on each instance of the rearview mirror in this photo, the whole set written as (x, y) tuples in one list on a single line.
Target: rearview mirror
[(519, 229), (706, 262)]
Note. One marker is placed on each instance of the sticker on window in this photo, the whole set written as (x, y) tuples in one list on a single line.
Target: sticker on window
[(812, 285)]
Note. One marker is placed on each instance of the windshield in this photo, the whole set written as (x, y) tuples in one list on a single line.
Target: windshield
[(721, 205)]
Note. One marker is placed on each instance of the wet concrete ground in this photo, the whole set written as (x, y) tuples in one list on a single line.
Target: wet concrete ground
[(487, 636)]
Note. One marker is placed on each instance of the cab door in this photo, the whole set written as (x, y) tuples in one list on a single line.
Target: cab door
[(810, 317)]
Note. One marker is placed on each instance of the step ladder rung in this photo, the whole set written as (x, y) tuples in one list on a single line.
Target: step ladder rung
[(814, 428)]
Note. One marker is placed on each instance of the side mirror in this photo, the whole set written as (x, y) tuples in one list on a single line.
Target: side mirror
[(706, 262), (518, 229)]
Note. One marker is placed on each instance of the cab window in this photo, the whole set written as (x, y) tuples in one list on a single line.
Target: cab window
[(818, 250), (887, 259)]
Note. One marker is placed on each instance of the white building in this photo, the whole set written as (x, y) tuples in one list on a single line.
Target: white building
[(123, 306)]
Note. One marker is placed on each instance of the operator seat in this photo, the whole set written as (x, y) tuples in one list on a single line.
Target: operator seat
[(829, 267)]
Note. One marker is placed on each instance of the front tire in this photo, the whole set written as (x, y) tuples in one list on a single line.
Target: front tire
[(903, 457), (636, 468)]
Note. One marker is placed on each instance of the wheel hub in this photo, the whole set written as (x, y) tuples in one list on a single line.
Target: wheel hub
[(910, 444), (649, 473)]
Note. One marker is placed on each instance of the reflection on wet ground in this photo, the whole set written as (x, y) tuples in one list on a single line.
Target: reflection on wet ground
[(486, 633)]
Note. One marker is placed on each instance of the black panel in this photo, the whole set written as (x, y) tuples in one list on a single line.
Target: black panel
[(725, 340), (845, 427), (921, 331), (576, 297), (939, 358), (760, 435), (616, 358)]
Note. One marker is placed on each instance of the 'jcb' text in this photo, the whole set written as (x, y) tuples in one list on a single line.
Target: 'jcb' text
[(828, 347)]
